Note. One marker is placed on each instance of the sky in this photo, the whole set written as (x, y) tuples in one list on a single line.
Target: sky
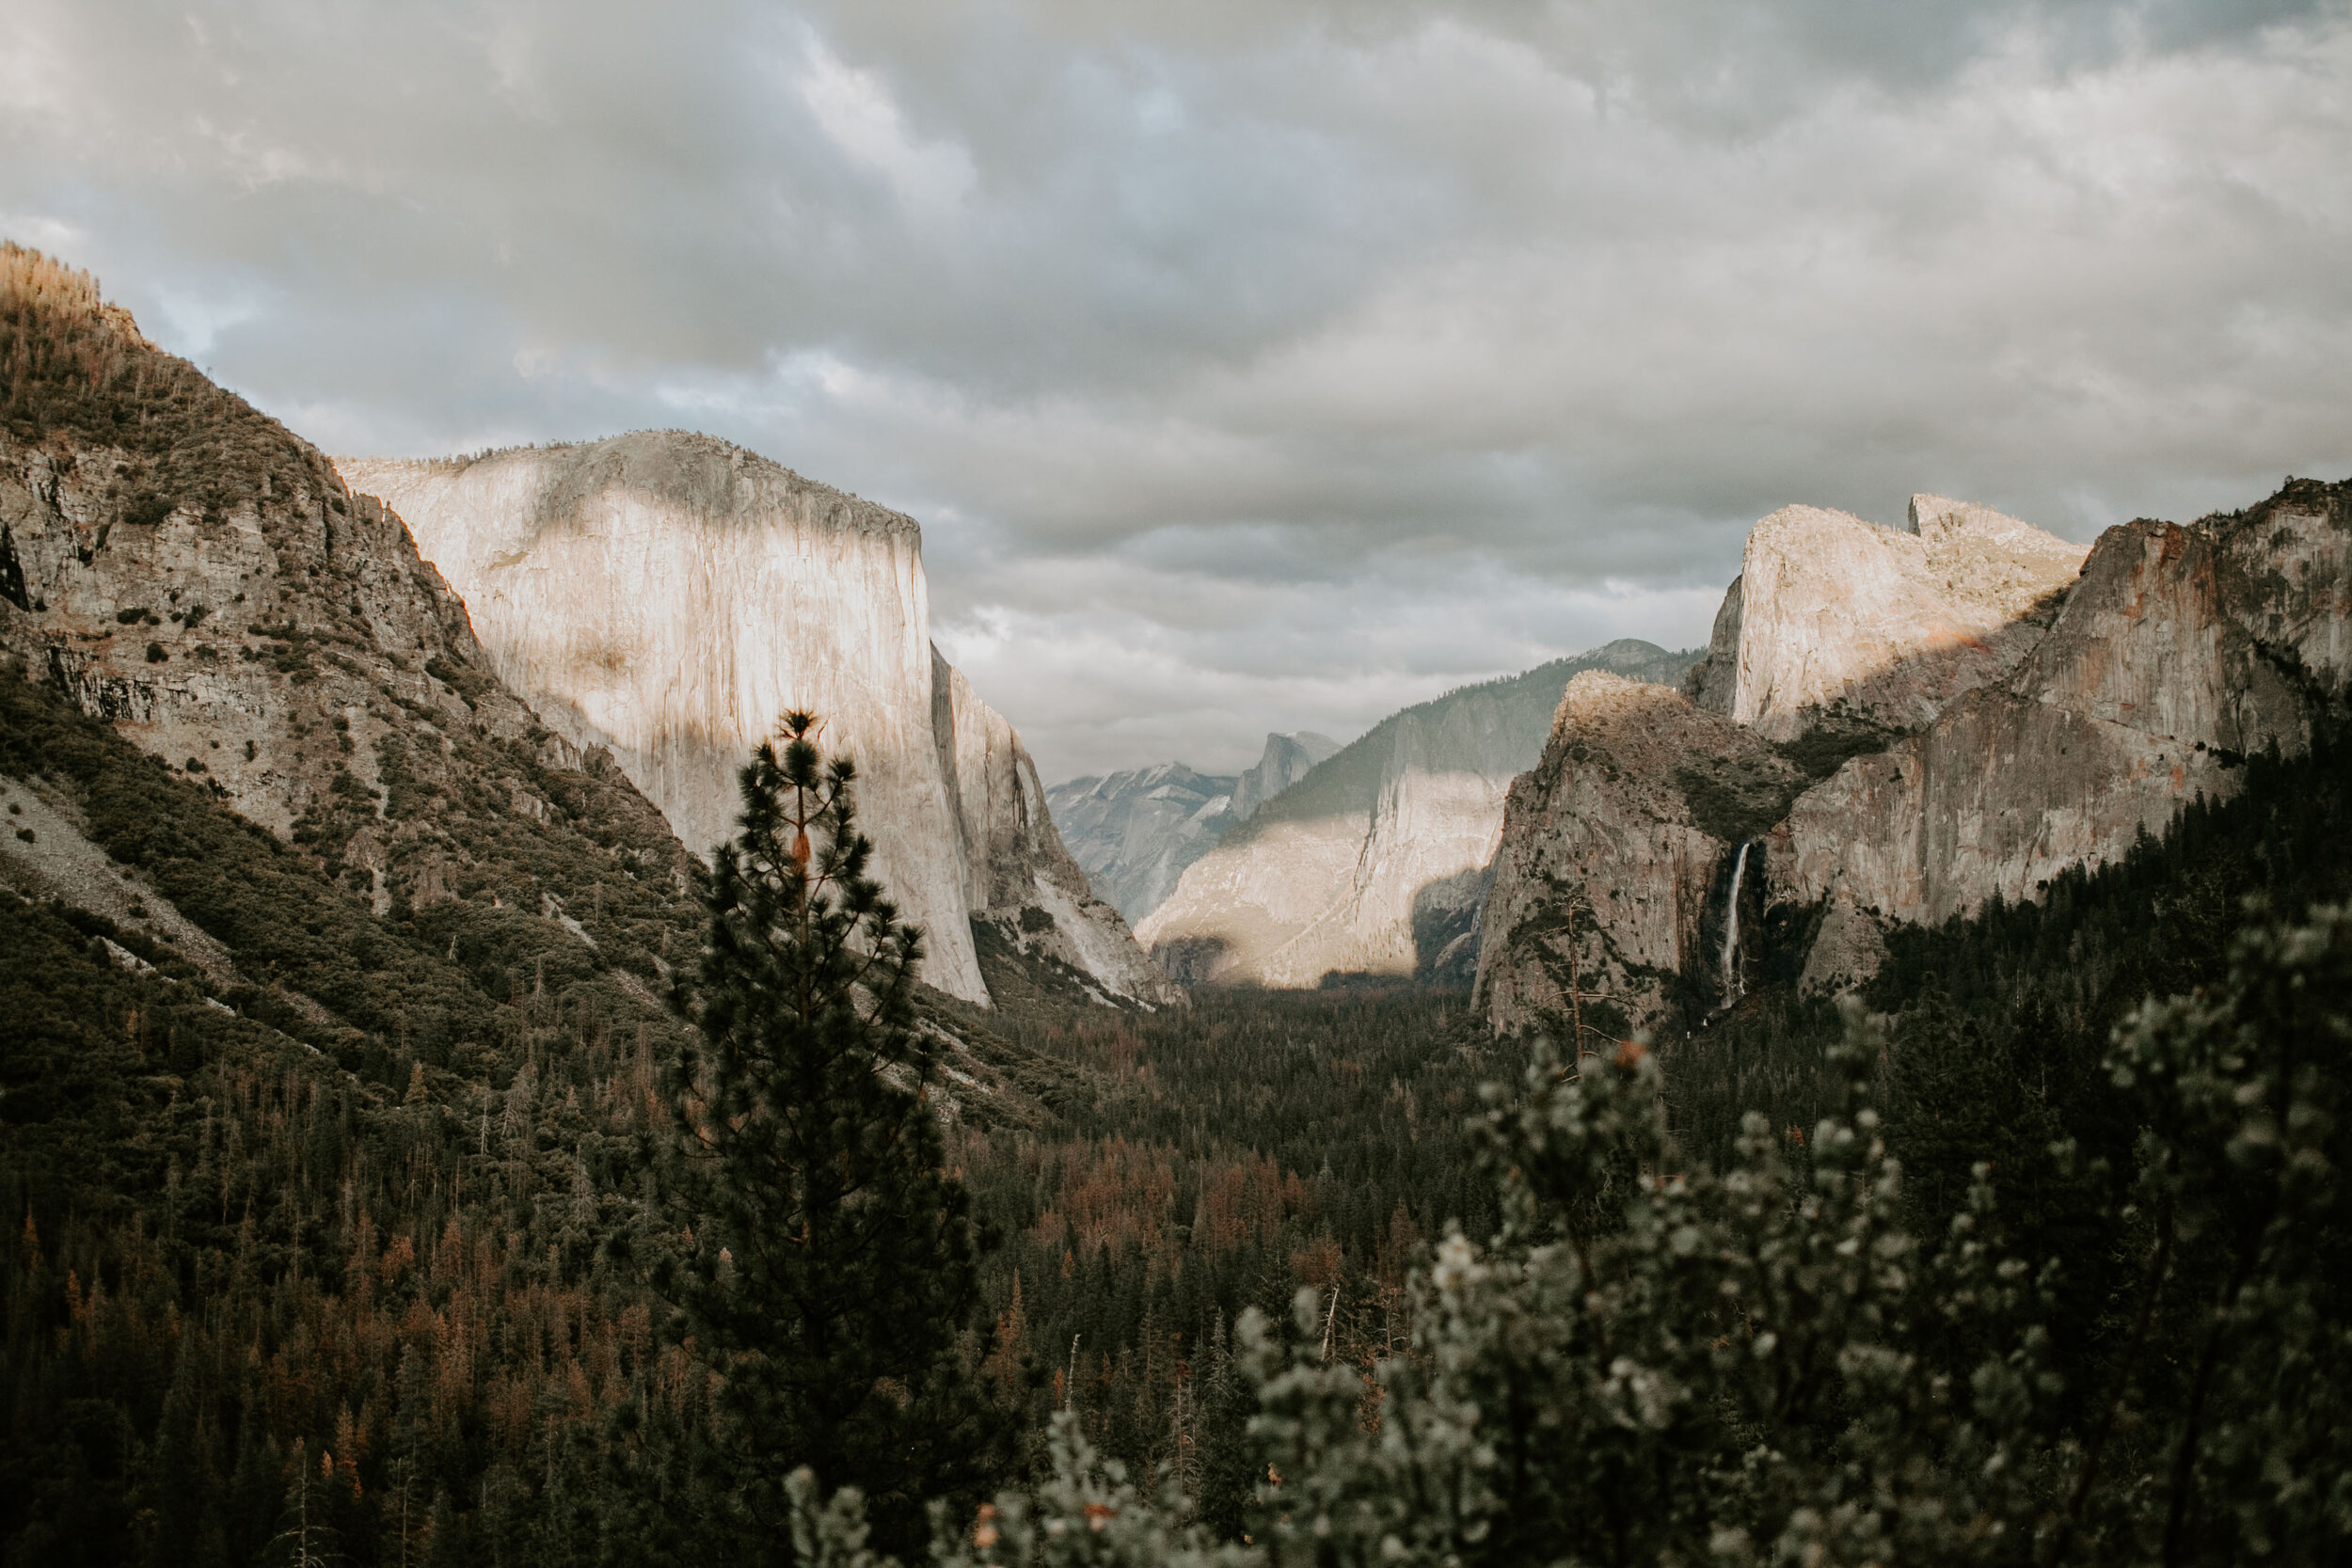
[(1251, 365)]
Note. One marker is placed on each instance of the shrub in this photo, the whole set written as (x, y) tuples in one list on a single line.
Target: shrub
[(1657, 1363)]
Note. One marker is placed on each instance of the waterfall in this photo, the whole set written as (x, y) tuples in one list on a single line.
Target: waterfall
[(1731, 930)]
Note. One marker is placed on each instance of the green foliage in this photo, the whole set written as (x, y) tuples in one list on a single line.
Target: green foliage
[(1210, 1159), (1657, 1362), (2242, 1157), (1086, 1512), (1736, 799), (830, 1268)]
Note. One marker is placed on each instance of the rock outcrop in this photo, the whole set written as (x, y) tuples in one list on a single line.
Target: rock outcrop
[(667, 596), (1613, 883), (1936, 759), (2180, 651), (1833, 618), (1375, 863), (1134, 833)]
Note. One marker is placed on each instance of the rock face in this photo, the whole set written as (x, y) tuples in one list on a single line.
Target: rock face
[(2180, 650), (1992, 756), (180, 566), (1832, 617), (1376, 862), (1613, 883), (1134, 832), (667, 596)]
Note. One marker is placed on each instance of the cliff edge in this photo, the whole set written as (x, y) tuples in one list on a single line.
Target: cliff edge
[(667, 596)]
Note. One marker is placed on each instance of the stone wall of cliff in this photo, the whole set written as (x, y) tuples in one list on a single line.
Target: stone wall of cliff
[(182, 566), (1015, 866), (2180, 650), (1958, 730), (668, 596), (1611, 882), (1832, 616)]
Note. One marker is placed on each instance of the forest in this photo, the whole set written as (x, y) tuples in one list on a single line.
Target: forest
[(258, 1276)]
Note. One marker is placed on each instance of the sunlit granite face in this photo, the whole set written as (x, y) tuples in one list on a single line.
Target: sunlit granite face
[(669, 595), (1997, 731)]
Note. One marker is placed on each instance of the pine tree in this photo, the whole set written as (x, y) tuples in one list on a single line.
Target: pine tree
[(407, 1525), (306, 1537), (831, 1266), (1226, 1459), (176, 1483)]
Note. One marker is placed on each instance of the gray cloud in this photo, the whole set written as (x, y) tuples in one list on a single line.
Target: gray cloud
[(1252, 365)]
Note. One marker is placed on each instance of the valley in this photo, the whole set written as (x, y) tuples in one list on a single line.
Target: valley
[(366, 819)]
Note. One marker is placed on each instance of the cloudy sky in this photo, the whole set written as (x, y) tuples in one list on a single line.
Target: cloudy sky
[(1251, 364)]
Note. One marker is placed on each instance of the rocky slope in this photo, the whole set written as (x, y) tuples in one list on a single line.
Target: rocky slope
[(248, 735), (181, 566), (666, 596), (1922, 759), (1134, 833), (1375, 863)]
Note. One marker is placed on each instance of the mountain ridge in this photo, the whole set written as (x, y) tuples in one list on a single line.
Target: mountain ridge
[(1373, 863), (1921, 775), (1134, 833)]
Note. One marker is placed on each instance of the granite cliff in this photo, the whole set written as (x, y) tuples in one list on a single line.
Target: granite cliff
[(1375, 863), (1613, 883), (1891, 730), (1134, 833), (664, 596), (1837, 621)]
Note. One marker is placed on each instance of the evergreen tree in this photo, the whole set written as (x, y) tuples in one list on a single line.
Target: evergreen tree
[(831, 1270), (177, 1491), (306, 1537), (1226, 1459)]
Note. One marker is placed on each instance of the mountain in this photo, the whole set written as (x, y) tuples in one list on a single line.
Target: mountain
[(1287, 759), (666, 596), (331, 1004), (1134, 832), (186, 570), (1836, 620), (1896, 729), (1374, 862)]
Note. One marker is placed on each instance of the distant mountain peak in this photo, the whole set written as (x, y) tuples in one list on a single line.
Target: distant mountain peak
[(1287, 758), (1372, 859)]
